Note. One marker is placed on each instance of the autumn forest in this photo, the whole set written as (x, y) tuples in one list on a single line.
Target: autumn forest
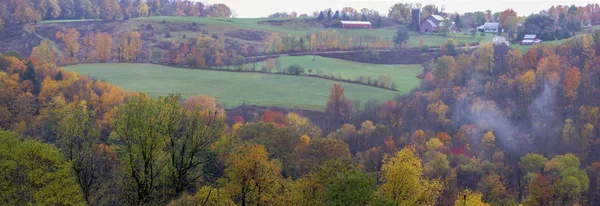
[(487, 124)]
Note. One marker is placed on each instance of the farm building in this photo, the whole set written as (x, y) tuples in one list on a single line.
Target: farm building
[(488, 27), (356, 25), (435, 23), (530, 39)]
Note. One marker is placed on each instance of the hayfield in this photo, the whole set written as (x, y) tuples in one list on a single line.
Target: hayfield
[(230, 88), (386, 33), (404, 76)]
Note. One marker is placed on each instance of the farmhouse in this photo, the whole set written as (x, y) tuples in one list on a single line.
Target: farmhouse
[(488, 27), (436, 23), (356, 25), (530, 39)]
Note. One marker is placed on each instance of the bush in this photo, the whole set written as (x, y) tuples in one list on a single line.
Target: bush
[(424, 48), (295, 69), (15, 54), (371, 55), (168, 35)]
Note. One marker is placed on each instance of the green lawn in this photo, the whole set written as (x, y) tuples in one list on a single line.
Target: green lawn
[(403, 75), (230, 88)]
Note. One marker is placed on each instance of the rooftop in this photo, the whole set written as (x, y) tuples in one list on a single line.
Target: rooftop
[(493, 24), (438, 17), (357, 22)]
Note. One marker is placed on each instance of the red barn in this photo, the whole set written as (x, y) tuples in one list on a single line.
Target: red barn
[(356, 25)]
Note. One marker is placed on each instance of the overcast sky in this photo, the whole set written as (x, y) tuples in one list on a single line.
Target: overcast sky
[(262, 8)]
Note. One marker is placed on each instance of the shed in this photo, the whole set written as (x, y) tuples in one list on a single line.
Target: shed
[(356, 25)]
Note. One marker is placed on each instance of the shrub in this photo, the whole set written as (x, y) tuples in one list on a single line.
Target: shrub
[(424, 48), (371, 54), (295, 69)]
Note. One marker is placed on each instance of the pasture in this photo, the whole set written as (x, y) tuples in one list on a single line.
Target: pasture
[(404, 76), (214, 25), (230, 88)]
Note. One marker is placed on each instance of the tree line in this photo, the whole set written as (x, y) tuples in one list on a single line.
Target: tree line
[(14, 12)]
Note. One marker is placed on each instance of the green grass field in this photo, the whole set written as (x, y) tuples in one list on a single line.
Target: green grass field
[(403, 75), (386, 33), (230, 88)]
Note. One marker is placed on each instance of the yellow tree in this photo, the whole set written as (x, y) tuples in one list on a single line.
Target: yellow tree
[(88, 44), (527, 85), (470, 198), (130, 46), (313, 41), (45, 53), (71, 40), (142, 9), (485, 56), (103, 47), (403, 181), (252, 179), (571, 84)]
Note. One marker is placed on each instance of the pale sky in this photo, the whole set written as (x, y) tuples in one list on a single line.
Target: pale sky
[(262, 8)]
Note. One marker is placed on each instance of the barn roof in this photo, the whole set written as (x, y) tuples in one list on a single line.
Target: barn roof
[(438, 17), (529, 36), (432, 23), (357, 22), (492, 24)]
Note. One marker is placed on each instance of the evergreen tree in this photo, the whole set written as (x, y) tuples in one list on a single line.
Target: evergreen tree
[(321, 16), (59, 76), (31, 76)]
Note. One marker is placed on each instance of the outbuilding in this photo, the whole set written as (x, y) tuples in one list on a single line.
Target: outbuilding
[(356, 25)]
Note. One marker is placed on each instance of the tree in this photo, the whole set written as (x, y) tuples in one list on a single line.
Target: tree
[(218, 10), (401, 36), (470, 198), (444, 70), (78, 134), (103, 47), (344, 184), (492, 189), (302, 125), (45, 53), (400, 12), (142, 9), (527, 85), (532, 163), (485, 58), (71, 40), (198, 127), (207, 195), (130, 47), (571, 84), (35, 173), (507, 19), (142, 127), (251, 178), (403, 181), (338, 107), (446, 25)]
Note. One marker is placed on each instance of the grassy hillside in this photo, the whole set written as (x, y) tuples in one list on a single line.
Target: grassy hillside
[(294, 28), (229, 88), (402, 75)]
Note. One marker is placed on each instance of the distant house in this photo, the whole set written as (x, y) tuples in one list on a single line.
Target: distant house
[(435, 23), (530, 39), (356, 25), (489, 27)]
